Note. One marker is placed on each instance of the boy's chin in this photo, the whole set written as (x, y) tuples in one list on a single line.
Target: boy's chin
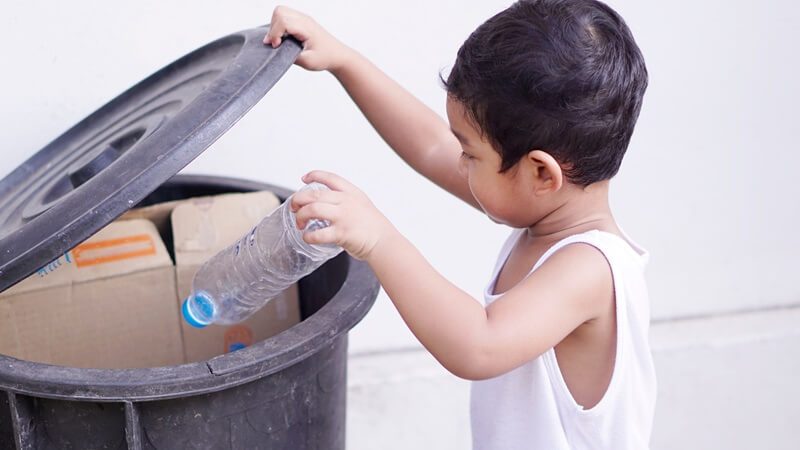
[(496, 220), (509, 222), (501, 221)]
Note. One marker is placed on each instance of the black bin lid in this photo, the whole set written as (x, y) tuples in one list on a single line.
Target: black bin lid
[(119, 154)]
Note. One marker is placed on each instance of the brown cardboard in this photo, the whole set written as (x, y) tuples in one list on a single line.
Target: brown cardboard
[(106, 303), (201, 228), (159, 214), (112, 301)]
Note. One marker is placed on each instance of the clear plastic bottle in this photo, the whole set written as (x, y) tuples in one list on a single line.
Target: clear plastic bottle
[(241, 279)]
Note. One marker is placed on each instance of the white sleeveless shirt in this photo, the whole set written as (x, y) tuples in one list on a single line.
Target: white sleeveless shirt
[(531, 407)]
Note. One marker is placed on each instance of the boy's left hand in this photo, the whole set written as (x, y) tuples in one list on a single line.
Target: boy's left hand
[(355, 224)]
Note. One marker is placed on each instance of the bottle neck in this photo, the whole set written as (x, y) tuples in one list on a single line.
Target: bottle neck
[(316, 252)]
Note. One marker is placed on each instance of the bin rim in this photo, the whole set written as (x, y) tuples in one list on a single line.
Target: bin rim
[(343, 311)]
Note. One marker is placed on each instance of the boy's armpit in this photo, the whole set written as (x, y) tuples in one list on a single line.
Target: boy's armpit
[(571, 287)]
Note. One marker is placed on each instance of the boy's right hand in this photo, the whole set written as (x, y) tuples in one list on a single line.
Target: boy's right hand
[(321, 51)]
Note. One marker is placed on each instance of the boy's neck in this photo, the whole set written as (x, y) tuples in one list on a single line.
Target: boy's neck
[(577, 210)]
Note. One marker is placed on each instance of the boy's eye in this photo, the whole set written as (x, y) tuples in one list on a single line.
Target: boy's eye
[(465, 155)]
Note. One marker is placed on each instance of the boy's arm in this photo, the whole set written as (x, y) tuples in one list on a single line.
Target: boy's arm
[(415, 132), (474, 342), (572, 287)]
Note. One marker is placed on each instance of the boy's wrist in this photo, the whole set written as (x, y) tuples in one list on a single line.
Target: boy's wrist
[(346, 58), (386, 248)]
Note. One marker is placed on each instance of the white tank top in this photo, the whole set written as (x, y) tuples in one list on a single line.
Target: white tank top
[(531, 407)]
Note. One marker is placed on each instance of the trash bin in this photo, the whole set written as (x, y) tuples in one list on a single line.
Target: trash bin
[(285, 392)]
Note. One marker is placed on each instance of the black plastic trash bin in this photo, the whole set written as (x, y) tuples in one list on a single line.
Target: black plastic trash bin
[(286, 392)]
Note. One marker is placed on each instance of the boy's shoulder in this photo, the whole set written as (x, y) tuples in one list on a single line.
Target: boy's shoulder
[(612, 245), (586, 257), (522, 256)]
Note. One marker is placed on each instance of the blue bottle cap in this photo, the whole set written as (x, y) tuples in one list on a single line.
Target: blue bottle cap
[(205, 305)]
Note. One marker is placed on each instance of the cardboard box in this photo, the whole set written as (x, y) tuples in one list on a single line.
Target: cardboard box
[(109, 302), (114, 300), (202, 227)]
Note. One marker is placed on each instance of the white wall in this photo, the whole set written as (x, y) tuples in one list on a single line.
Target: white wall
[(708, 185)]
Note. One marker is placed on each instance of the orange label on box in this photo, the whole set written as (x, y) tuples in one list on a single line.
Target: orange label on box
[(238, 337), (101, 252)]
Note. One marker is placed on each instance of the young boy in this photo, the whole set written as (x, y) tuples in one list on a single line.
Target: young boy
[(542, 101)]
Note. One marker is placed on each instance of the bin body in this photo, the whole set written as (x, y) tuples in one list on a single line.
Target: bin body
[(286, 392)]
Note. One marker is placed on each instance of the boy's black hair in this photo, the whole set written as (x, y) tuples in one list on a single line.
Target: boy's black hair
[(563, 76)]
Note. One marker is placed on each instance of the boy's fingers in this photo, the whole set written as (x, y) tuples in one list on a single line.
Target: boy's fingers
[(277, 27), (322, 211), (275, 34), (333, 181), (285, 21), (303, 198), (327, 235)]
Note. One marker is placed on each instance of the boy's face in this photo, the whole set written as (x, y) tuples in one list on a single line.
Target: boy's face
[(503, 196)]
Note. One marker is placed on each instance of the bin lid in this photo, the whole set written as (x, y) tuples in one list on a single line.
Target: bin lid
[(119, 154)]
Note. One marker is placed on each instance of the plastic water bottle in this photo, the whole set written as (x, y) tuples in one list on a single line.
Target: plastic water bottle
[(241, 279)]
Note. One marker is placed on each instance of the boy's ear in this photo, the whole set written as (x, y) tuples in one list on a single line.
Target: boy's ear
[(547, 174)]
